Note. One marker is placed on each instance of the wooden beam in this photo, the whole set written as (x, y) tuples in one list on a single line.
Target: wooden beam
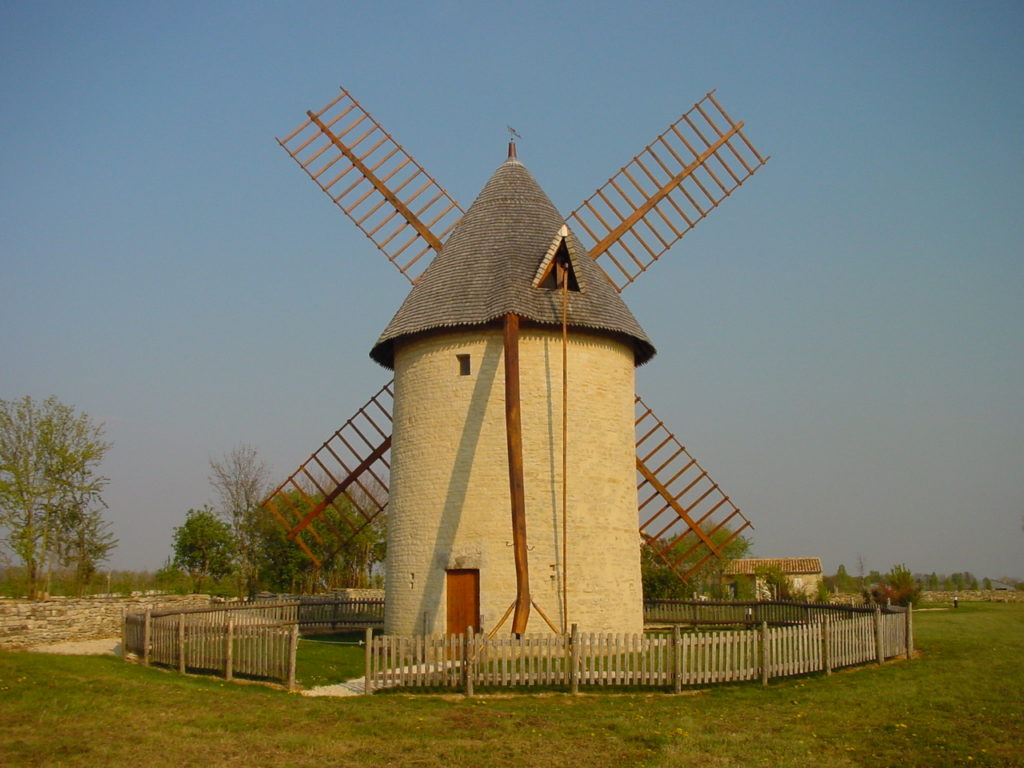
[(627, 223), (342, 486), (517, 491), (379, 185), (683, 515)]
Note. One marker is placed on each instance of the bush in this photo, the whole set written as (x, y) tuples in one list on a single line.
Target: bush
[(898, 586)]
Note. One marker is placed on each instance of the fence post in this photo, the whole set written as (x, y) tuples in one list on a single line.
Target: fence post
[(368, 663), (765, 656), (574, 660), (146, 623), (677, 660), (826, 651), (229, 651), (879, 652), (293, 647), (467, 662), (910, 631), (181, 643)]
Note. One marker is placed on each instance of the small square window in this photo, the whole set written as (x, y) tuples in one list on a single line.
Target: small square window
[(464, 367)]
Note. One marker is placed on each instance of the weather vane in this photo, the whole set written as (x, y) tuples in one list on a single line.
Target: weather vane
[(513, 134)]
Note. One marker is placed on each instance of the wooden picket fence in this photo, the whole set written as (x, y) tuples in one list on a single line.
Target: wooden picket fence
[(696, 612), (653, 659), (333, 614), (256, 641)]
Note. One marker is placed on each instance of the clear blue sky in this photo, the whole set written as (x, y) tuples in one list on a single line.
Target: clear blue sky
[(841, 344)]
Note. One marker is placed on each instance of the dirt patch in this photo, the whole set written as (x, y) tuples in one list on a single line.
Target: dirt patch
[(97, 647)]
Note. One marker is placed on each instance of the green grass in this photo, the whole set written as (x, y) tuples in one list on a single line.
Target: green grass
[(329, 658), (960, 703)]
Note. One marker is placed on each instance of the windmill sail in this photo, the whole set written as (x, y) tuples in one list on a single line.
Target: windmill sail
[(342, 488), (375, 182), (684, 516), (626, 225), (663, 192)]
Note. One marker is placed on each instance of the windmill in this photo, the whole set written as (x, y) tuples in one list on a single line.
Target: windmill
[(500, 399)]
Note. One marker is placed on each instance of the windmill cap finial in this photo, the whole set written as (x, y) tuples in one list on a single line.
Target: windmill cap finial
[(512, 150)]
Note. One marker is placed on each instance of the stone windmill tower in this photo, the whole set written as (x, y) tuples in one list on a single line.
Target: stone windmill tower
[(519, 472), (452, 553)]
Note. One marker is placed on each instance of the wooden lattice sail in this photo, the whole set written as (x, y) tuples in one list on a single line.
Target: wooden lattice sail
[(663, 192), (626, 225), (684, 516), (342, 487), (375, 182)]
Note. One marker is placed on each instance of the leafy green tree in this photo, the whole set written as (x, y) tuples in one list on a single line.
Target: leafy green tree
[(821, 592), (898, 586), (844, 581), (661, 582), (775, 581), (347, 560), (84, 543), (203, 547), (50, 491), (282, 566)]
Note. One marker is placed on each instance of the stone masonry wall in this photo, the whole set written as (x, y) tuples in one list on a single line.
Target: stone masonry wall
[(974, 595), (58, 619), (449, 503), (965, 595)]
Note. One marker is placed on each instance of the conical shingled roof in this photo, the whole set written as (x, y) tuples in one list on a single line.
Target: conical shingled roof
[(490, 262)]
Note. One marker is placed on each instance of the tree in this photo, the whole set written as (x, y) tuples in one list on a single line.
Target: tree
[(661, 582), (85, 542), (240, 479), (898, 586), (844, 581), (49, 488), (203, 547), (775, 582), (350, 559)]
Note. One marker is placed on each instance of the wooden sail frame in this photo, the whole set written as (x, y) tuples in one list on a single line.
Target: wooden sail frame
[(342, 486), (626, 225), (663, 192), (375, 182)]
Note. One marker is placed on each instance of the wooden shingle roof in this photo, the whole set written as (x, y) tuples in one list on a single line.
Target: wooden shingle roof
[(748, 566), (489, 265)]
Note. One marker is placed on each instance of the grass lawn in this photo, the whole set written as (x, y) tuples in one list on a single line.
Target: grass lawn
[(960, 703)]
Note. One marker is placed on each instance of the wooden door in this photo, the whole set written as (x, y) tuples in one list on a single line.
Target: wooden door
[(463, 588)]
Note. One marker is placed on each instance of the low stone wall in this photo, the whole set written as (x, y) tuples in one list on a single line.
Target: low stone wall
[(846, 598), (974, 596), (59, 619)]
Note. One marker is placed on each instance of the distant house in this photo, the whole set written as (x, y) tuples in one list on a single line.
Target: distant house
[(804, 574)]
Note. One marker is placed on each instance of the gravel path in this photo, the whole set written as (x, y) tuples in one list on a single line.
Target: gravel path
[(111, 645), (351, 688)]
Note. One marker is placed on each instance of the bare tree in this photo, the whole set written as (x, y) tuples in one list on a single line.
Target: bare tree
[(240, 478)]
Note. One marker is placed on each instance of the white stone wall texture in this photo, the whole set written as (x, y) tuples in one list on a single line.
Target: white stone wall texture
[(449, 505)]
